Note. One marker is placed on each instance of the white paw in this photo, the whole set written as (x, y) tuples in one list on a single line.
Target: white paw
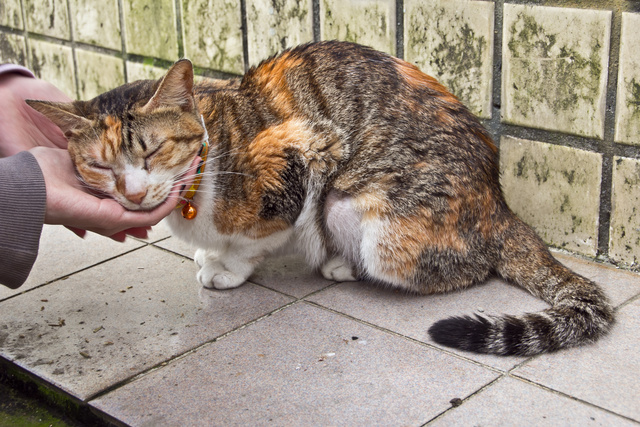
[(338, 269), (200, 257), (214, 275)]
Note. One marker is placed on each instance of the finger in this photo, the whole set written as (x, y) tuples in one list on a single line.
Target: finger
[(139, 232), (119, 237), (77, 231)]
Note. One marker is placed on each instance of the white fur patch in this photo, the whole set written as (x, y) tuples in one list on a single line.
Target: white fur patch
[(374, 232), (307, 234), (345, 225)]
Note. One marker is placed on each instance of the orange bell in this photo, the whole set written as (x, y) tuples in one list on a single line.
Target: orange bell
[(189, 211)]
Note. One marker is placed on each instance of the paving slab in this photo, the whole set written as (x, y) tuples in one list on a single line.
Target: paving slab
[(62, 253), (511, 402), (606, 374), (289, 274), (300, 366), (412, 315), (178, 246), (115, 320), (620, 285)]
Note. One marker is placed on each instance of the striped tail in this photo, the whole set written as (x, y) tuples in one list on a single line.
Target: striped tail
[(580, 312)]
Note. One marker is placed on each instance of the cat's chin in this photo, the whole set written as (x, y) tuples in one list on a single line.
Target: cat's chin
[(145, 206)]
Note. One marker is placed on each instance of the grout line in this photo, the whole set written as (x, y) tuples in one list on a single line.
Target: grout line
[(177, 358), (179, 37), (76, 76), (406, 337), (73, 273), (568, 396), (399, 29), (608, 142), (245, 35), (123, 42), (25, 34), (627, 302), (478, 391), (315, 9)]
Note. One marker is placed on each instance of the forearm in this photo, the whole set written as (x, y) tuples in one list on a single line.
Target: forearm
[(22, 210)]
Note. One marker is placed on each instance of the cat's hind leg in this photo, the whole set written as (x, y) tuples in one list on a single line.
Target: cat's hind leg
[(343, 223), (338, 269)]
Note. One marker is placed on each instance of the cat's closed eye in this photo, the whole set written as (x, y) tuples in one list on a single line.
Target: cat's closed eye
[(100, 166), (149, 157)]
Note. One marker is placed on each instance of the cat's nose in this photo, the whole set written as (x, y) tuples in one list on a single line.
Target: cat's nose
[(136, 198)]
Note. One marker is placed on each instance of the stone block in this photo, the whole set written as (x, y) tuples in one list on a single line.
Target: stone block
[(150, 27), (453, 42), (54, 63), (212, 34), (48, 17), (98, 73), (628, 98), (96, 22), (554, 68), (368, 22), (555, 189), (11, 14), (144, 71), (273, 26), (624, 234), (12, 49)]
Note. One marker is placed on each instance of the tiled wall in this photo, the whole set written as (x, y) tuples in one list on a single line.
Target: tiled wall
[(556, 82)]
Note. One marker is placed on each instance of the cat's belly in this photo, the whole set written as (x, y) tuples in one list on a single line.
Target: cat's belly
[(201, 233)]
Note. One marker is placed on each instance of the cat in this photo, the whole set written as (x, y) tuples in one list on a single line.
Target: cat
[(370, 167)]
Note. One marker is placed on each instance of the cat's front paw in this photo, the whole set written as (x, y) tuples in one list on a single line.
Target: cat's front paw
[(214, 275), (338, 269)]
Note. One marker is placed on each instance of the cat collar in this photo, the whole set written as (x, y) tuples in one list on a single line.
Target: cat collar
[(189, 211)]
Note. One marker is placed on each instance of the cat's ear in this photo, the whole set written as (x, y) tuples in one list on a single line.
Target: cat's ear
[(62, 114), (176, 89)]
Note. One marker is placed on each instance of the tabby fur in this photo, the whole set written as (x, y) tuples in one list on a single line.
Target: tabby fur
[(372, 169)]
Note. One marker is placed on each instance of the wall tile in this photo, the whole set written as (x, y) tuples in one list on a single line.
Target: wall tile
[(11, 14), (150, 27), (138, 71), (276, 25), (53, 63), (13, 49), (98, 73), (212, 32), (624, 234), (452, 40), (555, 189), (368, 22), (554, 68), (628, 98), (48, 17), (96, 22)]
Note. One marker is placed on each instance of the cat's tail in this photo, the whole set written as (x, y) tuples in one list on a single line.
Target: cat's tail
[(579, 312)]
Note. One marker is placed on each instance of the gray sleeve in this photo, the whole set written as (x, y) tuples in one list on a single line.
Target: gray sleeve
[(22, 208)]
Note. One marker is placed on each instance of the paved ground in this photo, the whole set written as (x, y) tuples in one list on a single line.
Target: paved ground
[(124, 331)]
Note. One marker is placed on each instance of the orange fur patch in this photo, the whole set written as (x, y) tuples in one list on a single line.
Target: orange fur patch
[(417, 79), (264, 161), (271, 76), (111, 138), (406, 238)]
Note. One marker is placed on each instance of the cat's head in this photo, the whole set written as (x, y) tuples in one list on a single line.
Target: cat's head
[(134, 142)]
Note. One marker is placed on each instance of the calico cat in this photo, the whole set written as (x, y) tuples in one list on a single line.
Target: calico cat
[(370, 167)]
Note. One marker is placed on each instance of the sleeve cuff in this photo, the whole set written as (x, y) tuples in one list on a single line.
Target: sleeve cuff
[(22, 209)]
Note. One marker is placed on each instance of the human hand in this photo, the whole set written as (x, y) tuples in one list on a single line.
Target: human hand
[(69, 204), (21, 127)]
